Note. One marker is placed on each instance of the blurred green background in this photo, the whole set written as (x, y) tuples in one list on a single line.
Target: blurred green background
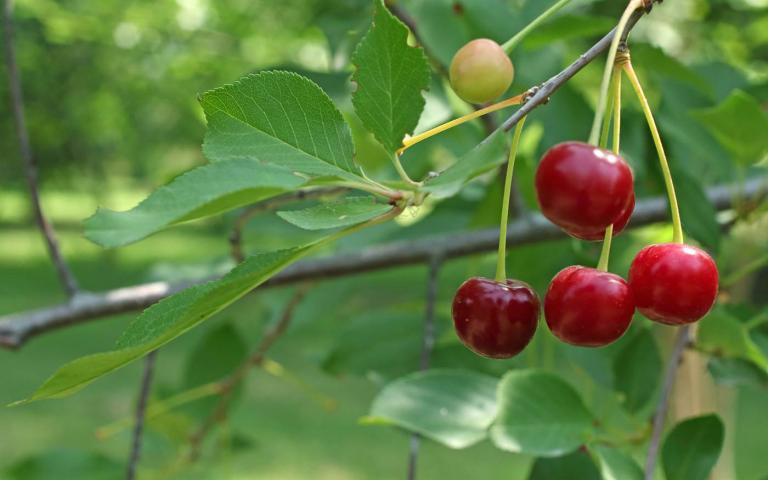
[(110, 90)]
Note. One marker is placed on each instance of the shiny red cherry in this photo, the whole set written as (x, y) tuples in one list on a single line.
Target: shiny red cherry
[(674, 284), (599, 235), (496, 320), (583, 188), (587, 307)]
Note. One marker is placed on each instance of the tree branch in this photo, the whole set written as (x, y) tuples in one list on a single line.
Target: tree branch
[(141, 408), (681, 342), (18, 328), (428, 342), (228, 385), (66, 277)]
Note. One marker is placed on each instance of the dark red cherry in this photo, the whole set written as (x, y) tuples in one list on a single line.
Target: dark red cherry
[(587, 307), (674, 284), (583, 188), (618, 226), (496, 320)]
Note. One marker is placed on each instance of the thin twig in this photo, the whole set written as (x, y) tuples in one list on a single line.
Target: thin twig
[(18, 328), (682, 340), (141, 408), (66, 277), (228, 385), (428, 343), (545, 91), (236, 236)]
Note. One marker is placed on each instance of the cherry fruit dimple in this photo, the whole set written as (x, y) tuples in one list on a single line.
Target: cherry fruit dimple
[(673, 283), (493, 319), (588, 307), (583, 188)]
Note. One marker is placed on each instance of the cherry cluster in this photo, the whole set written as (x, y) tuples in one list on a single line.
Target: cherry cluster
[(583, 190)]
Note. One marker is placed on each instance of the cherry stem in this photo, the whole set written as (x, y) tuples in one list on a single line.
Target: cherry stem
[(510, 44), (605, 253), (408, 142), (501, 262), (604, 86), (403, 174), (677, 227)]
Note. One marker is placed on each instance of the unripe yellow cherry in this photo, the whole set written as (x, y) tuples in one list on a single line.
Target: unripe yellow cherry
[(481, 71)]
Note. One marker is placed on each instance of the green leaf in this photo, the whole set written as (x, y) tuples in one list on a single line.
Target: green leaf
[(615, 465), (215, 357), (691, 449), (539, 414), (735, 372), (576, 465), (481, 159), (739, 123), (167, 320), (281, 118), (698, 214), (202, 192), (66, 463), (567, 28), (722, 334), (452, 407), (390, 77), (637, 370), (343, 213)]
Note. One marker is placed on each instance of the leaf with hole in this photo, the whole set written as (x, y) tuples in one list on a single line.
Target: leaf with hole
[(451, 407), (202, 192), (280, 118), (539, 414), (389, 76)]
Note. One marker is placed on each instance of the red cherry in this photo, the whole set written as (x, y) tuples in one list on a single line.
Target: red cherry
[(618, 226), (674, 284), (496, 320), (587, 307), (583, 188)]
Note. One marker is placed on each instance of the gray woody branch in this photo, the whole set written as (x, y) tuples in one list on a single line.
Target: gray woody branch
[(16, 329)]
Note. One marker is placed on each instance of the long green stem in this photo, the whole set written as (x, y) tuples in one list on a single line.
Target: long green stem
[(501, 269), (401, 171), (602, 99), (605, 253), (510, 44), (677, 226)]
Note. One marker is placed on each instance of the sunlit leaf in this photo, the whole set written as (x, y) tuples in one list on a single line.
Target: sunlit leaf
[(390, 76), (452, 407)]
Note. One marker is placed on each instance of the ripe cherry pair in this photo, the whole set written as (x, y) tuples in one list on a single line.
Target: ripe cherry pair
[(584, 190)]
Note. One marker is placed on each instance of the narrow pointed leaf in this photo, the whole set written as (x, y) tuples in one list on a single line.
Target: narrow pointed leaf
[(390, 76), (202, 192), (539, 414), (281, 118), (348, 212), (452, 407), (167, 320)]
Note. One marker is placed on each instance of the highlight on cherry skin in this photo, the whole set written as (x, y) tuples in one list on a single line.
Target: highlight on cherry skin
[(481, 71), (673, 283), (587, 307), (494, 319), (583, 189)]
